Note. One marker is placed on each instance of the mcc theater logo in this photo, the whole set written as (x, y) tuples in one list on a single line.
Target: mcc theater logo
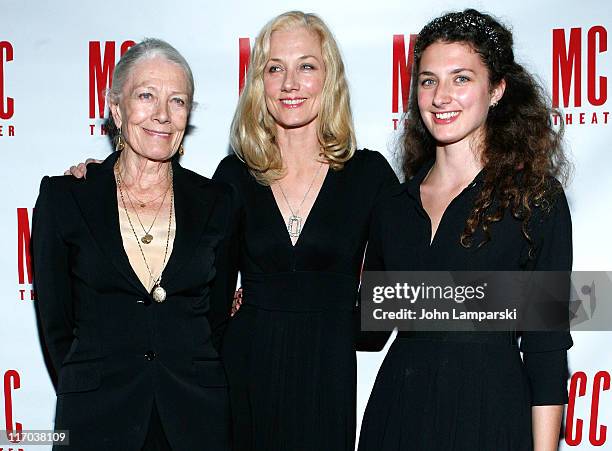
[(24, 257), (578, 430), (102, 59), (402, 75), (244, 59), (577, 80), (7, 103), (11, 383)]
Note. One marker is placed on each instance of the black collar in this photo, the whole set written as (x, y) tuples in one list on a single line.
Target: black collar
[(413, 186)]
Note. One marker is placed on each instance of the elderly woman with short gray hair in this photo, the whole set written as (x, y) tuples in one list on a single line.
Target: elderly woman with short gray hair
[(126, 265)]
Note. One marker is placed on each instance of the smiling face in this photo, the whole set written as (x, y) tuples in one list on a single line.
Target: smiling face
[(454, 94), (293, 77), (153, 110)]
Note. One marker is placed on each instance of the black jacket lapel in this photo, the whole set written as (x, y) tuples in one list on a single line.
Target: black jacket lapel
[(97, 199), (192, 206)]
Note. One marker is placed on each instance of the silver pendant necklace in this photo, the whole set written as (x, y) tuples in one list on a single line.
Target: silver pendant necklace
[(294, 223), (158, 293)]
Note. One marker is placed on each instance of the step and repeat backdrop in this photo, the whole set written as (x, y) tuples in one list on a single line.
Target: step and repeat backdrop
[(56, 58)]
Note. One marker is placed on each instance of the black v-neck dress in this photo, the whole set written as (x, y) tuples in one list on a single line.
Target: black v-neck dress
[(464, 391), (289, 352)]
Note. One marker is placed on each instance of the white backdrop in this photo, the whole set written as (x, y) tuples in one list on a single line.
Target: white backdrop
[(45, 127)]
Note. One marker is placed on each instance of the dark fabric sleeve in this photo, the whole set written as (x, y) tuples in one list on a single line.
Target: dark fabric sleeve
[(370, 341), (374, 261), (226, 263), (386, 180), (52, 277), (545, 353)]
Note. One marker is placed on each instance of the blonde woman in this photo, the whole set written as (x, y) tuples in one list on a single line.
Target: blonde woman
[(307, 195)]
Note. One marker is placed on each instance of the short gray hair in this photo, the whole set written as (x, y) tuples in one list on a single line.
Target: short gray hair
[(147, 48)]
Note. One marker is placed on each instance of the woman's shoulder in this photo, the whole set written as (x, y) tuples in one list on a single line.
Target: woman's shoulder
[(65, 184), (373, 164), (231, 170), (205, 187), (215, 185), (396, 198), (552, 206), (59, 185), (57, 193), (367, 156)]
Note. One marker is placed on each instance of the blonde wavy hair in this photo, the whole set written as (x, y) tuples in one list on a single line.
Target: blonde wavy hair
[(253, 131)]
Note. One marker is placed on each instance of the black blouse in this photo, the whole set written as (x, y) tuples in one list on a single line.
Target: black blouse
[(400, 241), (334, 235)]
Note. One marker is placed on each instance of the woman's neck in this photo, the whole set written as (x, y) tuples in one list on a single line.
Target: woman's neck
[(141, 173), (300, 148), (456, 164)]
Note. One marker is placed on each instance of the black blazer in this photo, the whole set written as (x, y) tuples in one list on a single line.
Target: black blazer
[(114, 349)]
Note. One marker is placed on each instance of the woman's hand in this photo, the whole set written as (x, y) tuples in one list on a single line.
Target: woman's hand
[(237, 301), (80, 169)]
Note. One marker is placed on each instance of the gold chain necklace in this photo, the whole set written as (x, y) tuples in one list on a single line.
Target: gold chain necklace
[(158, 292), (147, 238), (141, 203)]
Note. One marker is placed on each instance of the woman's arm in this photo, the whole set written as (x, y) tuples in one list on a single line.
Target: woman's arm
[(374, 258), (545, 353), (52, 277), (369, 341), (227, 258), (546, 424), (224, 284)]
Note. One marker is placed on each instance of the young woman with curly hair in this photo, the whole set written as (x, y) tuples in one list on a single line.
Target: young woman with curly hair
[(481, 160)]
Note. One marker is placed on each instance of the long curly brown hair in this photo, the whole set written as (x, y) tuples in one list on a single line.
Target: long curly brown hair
[(521, 152)]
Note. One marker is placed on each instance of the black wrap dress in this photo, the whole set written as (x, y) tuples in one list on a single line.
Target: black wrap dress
[(462, 391), (289, 352)]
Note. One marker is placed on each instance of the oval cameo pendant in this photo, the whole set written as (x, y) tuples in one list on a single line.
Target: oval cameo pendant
[(158, 293)]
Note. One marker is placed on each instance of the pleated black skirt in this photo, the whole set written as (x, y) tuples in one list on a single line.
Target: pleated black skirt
[(463, 393), (291, 364)]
